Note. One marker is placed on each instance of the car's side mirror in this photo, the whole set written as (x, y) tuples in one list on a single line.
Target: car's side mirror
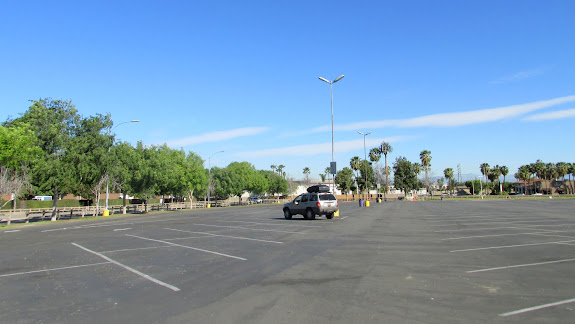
[(296, 202)]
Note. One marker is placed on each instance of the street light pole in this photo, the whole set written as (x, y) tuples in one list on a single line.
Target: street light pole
[(365, 158), (332, 145), (108, 175), (210, 174)]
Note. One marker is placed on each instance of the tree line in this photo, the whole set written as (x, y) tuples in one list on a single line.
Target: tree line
[(53, 150)]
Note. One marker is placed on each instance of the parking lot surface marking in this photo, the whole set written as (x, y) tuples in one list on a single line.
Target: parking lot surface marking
[(188, 247), (479, 229), (53, 269), (136, 249), (141, 274), (251, 229), (227, 236), (510, 234), (267, 224), (530, 309), (521, 265), (511, 246)]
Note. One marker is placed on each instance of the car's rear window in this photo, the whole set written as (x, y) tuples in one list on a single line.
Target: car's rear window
[(326, 197)]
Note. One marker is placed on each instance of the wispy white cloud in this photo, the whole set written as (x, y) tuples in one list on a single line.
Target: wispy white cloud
[(321, 148), (455, 119), (216, 136), (552, 115), (520, 75)]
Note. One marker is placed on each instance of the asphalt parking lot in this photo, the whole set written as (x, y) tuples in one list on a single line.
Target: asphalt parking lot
[(395, 262)]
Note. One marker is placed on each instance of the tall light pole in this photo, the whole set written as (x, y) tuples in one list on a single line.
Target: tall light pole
[(364, 157), (108, 180), (210, 174), (332, 166)]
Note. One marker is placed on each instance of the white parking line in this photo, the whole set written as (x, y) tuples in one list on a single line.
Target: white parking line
[(12, 231), (227, 236), (188, 247), (141, 274), (136, 249), (511, 246), (251, 229), (530, 309), (267, 224), (521, 265), (511, 234), (53, 269), (477, 229)]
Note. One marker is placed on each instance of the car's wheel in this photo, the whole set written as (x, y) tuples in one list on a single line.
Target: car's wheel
[(309, 214), (329, 216), (287, 213)]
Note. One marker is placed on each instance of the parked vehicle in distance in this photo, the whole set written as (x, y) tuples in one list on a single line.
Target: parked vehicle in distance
[(42, 198), (255, 200), (311, 204)]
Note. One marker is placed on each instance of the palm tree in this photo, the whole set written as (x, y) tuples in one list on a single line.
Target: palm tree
[(425, 157), (386, 148), (551, 174), (524, 174), (538, 168), (280, 169), (448, 173), (273, 167), (355, 164), (374, 156), (562, 170), (571, 172), (495, 174), (484, 168), (504, 172), (306, 172)]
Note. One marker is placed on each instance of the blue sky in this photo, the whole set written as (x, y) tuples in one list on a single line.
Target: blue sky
[(470, 81)]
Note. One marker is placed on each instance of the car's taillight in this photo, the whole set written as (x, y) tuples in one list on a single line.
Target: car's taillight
[(337, 204), (318, 204)]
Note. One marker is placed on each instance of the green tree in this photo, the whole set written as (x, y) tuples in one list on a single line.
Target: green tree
[(344, 180), (425, 157), (195, 178), (53, 122), (484, 168), (124, 162), (366, 174), (87, 156), (277, 184), (405, 175)]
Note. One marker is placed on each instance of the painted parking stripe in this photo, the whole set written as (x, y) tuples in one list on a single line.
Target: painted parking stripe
[(251, 229), (227, 236), (141, 274), (495, 235), (511, 246), (531, 309), (12, 231), (267, 224), (478, 229), (53, 269), (188, 247), (521, 265)]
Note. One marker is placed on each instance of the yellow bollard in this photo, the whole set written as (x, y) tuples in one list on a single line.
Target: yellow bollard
[(336, 214), (367, 203), (106, 213), (209, 206)]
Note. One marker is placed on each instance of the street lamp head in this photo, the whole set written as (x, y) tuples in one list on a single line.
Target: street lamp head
[(324, 79), (338, 78), (367, 133), (135, 121)]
